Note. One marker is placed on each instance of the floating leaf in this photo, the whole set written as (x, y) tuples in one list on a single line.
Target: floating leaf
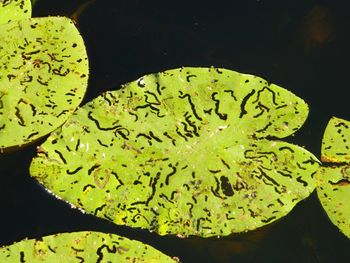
[(43, 77), (81, 247), (11, 10), (336, 142), (333, 180), (185, 152)]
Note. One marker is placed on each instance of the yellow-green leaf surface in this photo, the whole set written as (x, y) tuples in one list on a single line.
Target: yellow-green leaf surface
[(336, 142), (333, 180), (185, 152), (11, 10), (43, 77), (81, 247)]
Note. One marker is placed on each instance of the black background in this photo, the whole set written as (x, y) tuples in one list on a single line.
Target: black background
[(298, 44)]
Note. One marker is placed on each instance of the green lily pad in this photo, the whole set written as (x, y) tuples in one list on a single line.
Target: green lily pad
[(11, 10), (185, 152), (333, 180), (43, 77), (82, 247), (336, 142)]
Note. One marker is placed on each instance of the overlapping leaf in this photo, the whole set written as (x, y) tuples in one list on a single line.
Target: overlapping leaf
[(11, 10), (185, 152), (81, 247), (333, 180), (43, 77)]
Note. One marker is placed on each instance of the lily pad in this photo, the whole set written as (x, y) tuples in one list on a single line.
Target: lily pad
[(43, 77), (11, 10), (81, 247), (333, 179), (336, 142), (184, 152)]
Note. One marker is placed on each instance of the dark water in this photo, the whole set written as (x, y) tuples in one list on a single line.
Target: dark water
[(300, 45)]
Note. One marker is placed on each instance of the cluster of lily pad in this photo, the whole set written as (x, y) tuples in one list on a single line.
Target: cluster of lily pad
[(43, 78), (188, 151)]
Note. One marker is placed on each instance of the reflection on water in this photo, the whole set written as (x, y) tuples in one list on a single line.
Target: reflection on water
[(317, 27), (75, 15)]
